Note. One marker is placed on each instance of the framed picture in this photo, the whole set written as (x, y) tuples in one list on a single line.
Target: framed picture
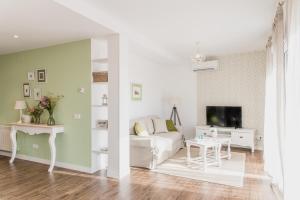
[(37, 94), (30, 76), (136, 92), (102, 124), (26, 90), (41, 75)]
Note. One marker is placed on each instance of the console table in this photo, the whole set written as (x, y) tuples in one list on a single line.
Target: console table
[(240, 137), (35, 129)]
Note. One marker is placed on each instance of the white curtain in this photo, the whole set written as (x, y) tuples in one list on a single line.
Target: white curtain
[(274, 126), (292, 137)]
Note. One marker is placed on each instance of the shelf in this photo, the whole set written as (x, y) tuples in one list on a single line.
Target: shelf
[(104, 71), (100, 83), (99, 106), (100, 129), (100, 60), (101, 151)]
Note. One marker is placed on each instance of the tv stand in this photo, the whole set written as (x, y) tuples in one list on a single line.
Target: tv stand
[(240, 137)]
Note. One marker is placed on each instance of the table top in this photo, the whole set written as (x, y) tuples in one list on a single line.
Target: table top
[(36, 125), (209, 141)]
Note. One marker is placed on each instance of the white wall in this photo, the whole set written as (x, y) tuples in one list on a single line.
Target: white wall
[(239, 81), (162, 81)]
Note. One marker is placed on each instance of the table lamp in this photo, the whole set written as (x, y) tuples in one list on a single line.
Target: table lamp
[(20, 105)]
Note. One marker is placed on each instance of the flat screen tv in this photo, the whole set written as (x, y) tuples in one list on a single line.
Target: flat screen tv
[(224, 116)]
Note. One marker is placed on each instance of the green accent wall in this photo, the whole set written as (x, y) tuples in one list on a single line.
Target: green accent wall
[(68, 68)]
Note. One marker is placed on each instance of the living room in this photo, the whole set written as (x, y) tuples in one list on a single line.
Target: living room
[(163, 101)]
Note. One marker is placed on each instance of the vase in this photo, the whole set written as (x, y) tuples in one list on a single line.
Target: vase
[(51, 120), (26, 119), (37, 119)]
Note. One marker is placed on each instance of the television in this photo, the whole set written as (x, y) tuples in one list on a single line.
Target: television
[(224, 116)]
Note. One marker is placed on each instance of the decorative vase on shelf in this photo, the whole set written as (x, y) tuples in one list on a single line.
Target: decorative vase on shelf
[(104, 100), (51, 120), (26, 119), (37, 119)]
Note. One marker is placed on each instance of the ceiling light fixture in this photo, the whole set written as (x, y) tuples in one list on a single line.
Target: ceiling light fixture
[(16, 36)]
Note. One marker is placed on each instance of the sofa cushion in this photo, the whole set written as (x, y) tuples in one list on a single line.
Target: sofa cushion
[(140, 129), (149, 125), (172, 136), (146, 142), (146, 121), (160, 126), (170, 125)]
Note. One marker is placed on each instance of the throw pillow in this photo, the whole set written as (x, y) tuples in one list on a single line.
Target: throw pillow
[(170, 125), (160, 126), (140, 129)]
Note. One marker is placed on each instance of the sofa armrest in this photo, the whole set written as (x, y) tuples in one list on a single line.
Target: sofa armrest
[(140, 141)]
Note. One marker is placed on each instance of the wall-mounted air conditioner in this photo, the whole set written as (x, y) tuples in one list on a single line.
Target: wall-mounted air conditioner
[(206, 65)]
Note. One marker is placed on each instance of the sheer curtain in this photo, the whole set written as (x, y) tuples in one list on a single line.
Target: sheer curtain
[(274, 126), (292, 138)]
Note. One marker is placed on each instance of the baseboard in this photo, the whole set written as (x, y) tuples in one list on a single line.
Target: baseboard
[(47, 162)]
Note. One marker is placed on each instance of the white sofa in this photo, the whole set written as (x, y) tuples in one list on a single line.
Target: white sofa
[(148, 151)]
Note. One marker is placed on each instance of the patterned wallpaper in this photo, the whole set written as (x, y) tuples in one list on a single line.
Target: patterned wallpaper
[(239, 81)]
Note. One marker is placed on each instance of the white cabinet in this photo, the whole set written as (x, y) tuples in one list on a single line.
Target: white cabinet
[(240, 137)]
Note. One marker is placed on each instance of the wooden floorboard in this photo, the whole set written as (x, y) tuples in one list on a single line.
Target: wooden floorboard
[(27, 180)]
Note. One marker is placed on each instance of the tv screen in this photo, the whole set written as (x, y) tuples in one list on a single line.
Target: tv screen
[(224, 116)]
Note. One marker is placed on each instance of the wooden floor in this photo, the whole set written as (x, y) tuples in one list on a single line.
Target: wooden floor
[(26, 180)]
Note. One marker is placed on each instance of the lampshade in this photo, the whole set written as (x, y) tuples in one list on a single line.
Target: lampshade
[(20, 105), (174, 101)]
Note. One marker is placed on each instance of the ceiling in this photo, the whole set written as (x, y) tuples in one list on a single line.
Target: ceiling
[(221, 27), (41, 23)]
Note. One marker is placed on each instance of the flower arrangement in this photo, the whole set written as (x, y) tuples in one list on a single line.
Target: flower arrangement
[(35, 112), (49, 103)]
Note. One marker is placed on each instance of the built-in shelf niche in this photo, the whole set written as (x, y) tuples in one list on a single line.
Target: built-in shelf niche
[(99, 87)]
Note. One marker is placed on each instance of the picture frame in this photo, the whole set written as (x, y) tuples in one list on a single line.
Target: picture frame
[(41, 75), (37, 94), (102, 124), (26, 90), (136, 91), (30, 76)]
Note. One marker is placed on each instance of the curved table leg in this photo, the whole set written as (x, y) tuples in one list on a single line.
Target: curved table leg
[(13, 138), (53, 151)]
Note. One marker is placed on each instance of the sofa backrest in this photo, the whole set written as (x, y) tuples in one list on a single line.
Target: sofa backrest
[(147, 121)]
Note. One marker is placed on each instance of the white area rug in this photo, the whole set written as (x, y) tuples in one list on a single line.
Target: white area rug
[(230, 173)]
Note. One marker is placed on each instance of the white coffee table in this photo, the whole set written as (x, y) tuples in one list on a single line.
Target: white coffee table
[(204, 145), (225, 141), (208, 143)]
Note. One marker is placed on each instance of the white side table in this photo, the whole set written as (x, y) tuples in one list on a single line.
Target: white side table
[(204, 145), (224, 141), (35, 129)]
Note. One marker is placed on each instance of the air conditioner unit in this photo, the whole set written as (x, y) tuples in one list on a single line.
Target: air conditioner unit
[(206, 65)]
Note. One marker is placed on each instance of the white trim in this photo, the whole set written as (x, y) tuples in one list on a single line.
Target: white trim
[(47, 162)]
